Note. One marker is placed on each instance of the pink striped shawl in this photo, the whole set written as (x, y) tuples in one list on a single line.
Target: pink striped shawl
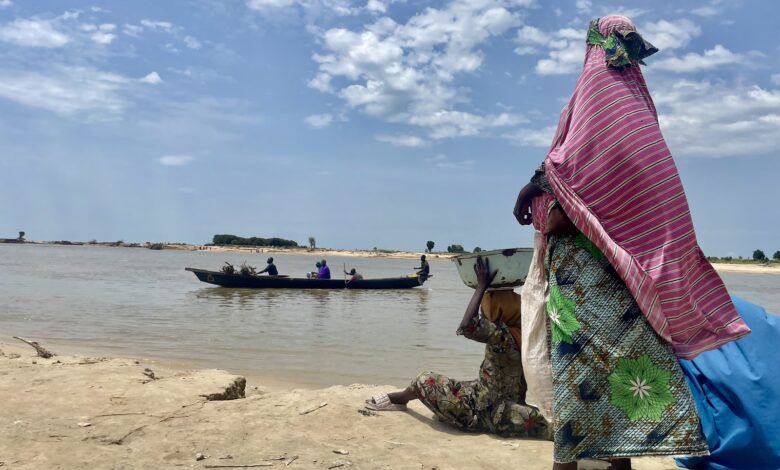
[(614, 176)]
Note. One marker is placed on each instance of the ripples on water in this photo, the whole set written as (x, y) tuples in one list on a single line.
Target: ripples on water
[(139, 302)]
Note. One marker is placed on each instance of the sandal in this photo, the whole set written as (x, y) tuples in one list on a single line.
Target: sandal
[(382, 402)]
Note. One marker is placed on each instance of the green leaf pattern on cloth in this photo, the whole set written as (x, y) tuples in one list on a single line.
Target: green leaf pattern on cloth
[(583, 242), (641, 389), (562, 319), (620, 47)]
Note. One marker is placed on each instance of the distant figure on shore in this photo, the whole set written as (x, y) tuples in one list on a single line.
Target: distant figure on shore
[(424, 270), (495, 401), (270, 269), (324, 272), (356, 276)]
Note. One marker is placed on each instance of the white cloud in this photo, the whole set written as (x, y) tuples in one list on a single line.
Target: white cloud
[(157, 25), (667, 35), (584, 6), (705, 10), (407, 72), (32, 33), (376, 6), (444, 162), (776, 78), (153, 78), (104, 33), (565, 49), (719, 120), (175, 160), (532, 137), (191, 42), (5, 3), (67, 90), (693, 62), (713, 8), (319, 120), (132, 30), (265, 4), (401, 140)]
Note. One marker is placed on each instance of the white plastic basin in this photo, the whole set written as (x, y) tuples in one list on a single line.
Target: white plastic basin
[(512, 265)]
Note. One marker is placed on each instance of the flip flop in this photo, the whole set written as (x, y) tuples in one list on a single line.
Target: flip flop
[(382, 402)]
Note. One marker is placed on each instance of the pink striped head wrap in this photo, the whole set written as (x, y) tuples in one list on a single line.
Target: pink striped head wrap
[(614, 176)]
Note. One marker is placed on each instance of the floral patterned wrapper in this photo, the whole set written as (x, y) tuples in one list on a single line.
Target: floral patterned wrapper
[(618, 390)]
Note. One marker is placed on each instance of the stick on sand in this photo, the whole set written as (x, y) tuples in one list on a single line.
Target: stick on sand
[(42, 352)]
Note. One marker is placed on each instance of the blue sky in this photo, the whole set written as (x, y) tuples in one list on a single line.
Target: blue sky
[(363, 123)]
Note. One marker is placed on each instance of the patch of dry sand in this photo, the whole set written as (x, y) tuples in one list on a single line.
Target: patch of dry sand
[(73, 412)]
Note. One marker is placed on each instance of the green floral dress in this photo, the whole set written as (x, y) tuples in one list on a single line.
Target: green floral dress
[(495, 401), (618, 388)]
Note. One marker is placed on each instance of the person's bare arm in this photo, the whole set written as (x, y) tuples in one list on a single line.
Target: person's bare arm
[(484, 279)]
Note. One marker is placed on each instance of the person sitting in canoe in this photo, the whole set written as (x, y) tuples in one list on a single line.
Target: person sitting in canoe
[(356, 276), (313, 274), (270, 268), (494, 402), (424, 270), (324, 272)]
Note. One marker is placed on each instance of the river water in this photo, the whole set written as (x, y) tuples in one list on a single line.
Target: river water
[(141, 303)]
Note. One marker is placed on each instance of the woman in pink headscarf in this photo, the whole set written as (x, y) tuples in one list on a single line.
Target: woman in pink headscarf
[(629, 290)]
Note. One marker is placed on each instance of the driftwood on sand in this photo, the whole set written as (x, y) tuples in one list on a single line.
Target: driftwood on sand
[(42, 352)]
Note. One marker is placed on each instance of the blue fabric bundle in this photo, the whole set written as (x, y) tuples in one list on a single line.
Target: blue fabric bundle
[(737, 392)]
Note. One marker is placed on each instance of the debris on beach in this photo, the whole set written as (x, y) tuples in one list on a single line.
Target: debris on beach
[(367, 412), (310, 410), (199, 456), (235, 390), (149, 373), (40, 350), (84, 424), (341, 452)]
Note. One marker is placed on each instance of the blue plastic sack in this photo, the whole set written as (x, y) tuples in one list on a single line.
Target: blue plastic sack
[(737, 392)]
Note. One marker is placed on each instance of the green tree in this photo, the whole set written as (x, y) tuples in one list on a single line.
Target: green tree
[(759, 255), (430, 245), (477, 249), (21, 235), (312, 243), (776, 255), (455, 249)]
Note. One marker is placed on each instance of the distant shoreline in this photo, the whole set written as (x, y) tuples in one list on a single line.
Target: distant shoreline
[(736, 266), (303, 251)]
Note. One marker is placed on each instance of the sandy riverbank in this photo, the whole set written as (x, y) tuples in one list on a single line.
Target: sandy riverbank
[(747, 268), (319, 253), (81, 412)]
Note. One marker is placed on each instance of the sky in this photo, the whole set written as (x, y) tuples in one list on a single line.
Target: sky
[(363, 123)]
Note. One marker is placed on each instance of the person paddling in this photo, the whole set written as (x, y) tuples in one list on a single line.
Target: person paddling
[(424, 269), (270, 268)]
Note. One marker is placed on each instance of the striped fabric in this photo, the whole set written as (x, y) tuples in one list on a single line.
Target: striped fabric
[(614, 176)]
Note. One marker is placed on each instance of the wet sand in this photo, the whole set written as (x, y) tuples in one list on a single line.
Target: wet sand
[(75, 411)]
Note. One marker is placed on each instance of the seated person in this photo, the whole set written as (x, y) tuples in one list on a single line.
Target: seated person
[(270, 269), (494, 402), (356, 276), (313, 274), (324, 272), (424, 270)]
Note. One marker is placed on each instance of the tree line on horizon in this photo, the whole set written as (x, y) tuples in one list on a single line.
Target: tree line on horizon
[(276, 242)]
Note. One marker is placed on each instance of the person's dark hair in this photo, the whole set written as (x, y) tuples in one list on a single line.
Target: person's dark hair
[(270, 260), (422, 257), (353, 271), (324, 262)]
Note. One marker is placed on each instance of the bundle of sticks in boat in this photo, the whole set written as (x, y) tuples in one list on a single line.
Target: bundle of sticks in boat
[(244, 269)]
